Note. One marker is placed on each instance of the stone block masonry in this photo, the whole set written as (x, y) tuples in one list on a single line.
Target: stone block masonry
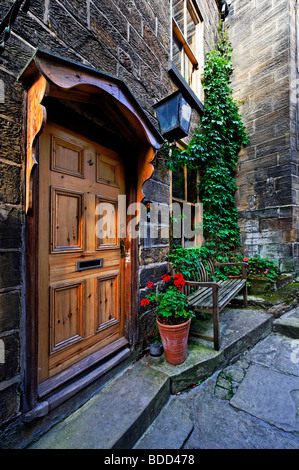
[(127, 39), (263, 35), (131, 40), (12, 117)]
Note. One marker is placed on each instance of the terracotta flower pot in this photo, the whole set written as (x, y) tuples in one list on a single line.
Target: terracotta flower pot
[(175, 340)]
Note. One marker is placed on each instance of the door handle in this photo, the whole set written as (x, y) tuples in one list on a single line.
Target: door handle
[(122, 248)]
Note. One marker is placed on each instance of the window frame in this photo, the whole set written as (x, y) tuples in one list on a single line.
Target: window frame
[(173, 199), (186, 53)]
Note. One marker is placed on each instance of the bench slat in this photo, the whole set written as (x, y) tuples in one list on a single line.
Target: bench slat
[(228, 289), (208, 299), (230, 295), (202, 293), (199, 294)]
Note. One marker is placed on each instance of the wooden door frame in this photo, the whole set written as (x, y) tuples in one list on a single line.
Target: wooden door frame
[(32, 277), (39, 79)]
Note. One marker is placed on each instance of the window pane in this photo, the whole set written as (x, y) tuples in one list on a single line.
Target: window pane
[(188, 238), (176, 55), (178, 184), (191, 30), (188, 70), (178, 13), (192, 185), (177, 223)]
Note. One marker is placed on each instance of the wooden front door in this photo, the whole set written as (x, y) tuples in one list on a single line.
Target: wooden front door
[(81, 269)]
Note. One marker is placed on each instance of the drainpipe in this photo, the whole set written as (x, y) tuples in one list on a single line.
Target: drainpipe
[(297, 70)]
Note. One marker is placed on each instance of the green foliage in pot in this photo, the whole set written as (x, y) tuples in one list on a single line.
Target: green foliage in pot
[(171, 302), (262, 267)]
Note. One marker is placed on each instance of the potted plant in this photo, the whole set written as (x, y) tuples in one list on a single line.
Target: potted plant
[(263, 274), (173, 316)]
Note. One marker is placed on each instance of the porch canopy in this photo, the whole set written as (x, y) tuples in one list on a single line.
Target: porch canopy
[(115, 110)]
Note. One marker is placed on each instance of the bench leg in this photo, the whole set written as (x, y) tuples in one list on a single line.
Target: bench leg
[(245, 300), (216, 330)]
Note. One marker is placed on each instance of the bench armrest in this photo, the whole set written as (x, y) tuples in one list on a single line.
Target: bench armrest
[(203, 284)]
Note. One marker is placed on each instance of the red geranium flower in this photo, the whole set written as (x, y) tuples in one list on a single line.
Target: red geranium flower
[(150, 284), (179, 283), (166, 277), (178, 276), (144, 302)]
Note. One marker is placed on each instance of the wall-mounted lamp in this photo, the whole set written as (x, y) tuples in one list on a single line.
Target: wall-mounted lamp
[(174, 116)]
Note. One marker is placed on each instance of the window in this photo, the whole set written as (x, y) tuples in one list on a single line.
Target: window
[(186, 214), (187, 42)]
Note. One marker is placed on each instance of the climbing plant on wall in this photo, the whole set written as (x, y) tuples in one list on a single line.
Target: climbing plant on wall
[(214, 149)]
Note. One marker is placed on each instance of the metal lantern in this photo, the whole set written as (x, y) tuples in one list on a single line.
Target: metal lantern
[(174, 116)]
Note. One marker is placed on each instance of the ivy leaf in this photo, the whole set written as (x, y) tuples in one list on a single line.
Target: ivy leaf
[(214, 149)]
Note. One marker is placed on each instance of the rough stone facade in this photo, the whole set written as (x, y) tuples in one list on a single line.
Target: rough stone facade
[(129, 39), (264, 37)]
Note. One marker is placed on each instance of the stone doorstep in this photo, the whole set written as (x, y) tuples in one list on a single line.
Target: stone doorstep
[(120, 414), (116, 417)]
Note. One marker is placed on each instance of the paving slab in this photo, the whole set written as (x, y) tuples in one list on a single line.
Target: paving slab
[(252, 403), (218, 425), (114, 418), (278, 352), (271, 396)]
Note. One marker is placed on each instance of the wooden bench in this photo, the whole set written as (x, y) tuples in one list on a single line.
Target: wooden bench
[(208, 296)]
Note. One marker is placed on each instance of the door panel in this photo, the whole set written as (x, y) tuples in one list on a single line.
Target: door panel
[(66, 315), (80, 310), (107, 307), (67, 157), (67, 220)]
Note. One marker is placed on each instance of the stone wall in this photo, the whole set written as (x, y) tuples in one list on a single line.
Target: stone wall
[(126, 38), (11, 244), (264, 44)]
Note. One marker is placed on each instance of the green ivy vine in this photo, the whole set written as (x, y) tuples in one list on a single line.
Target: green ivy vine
[(214, 150)]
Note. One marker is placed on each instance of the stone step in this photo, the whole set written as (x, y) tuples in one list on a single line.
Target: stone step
[(170, 429), (240, 329), (288, 324), (119, 415), (116, 417)]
